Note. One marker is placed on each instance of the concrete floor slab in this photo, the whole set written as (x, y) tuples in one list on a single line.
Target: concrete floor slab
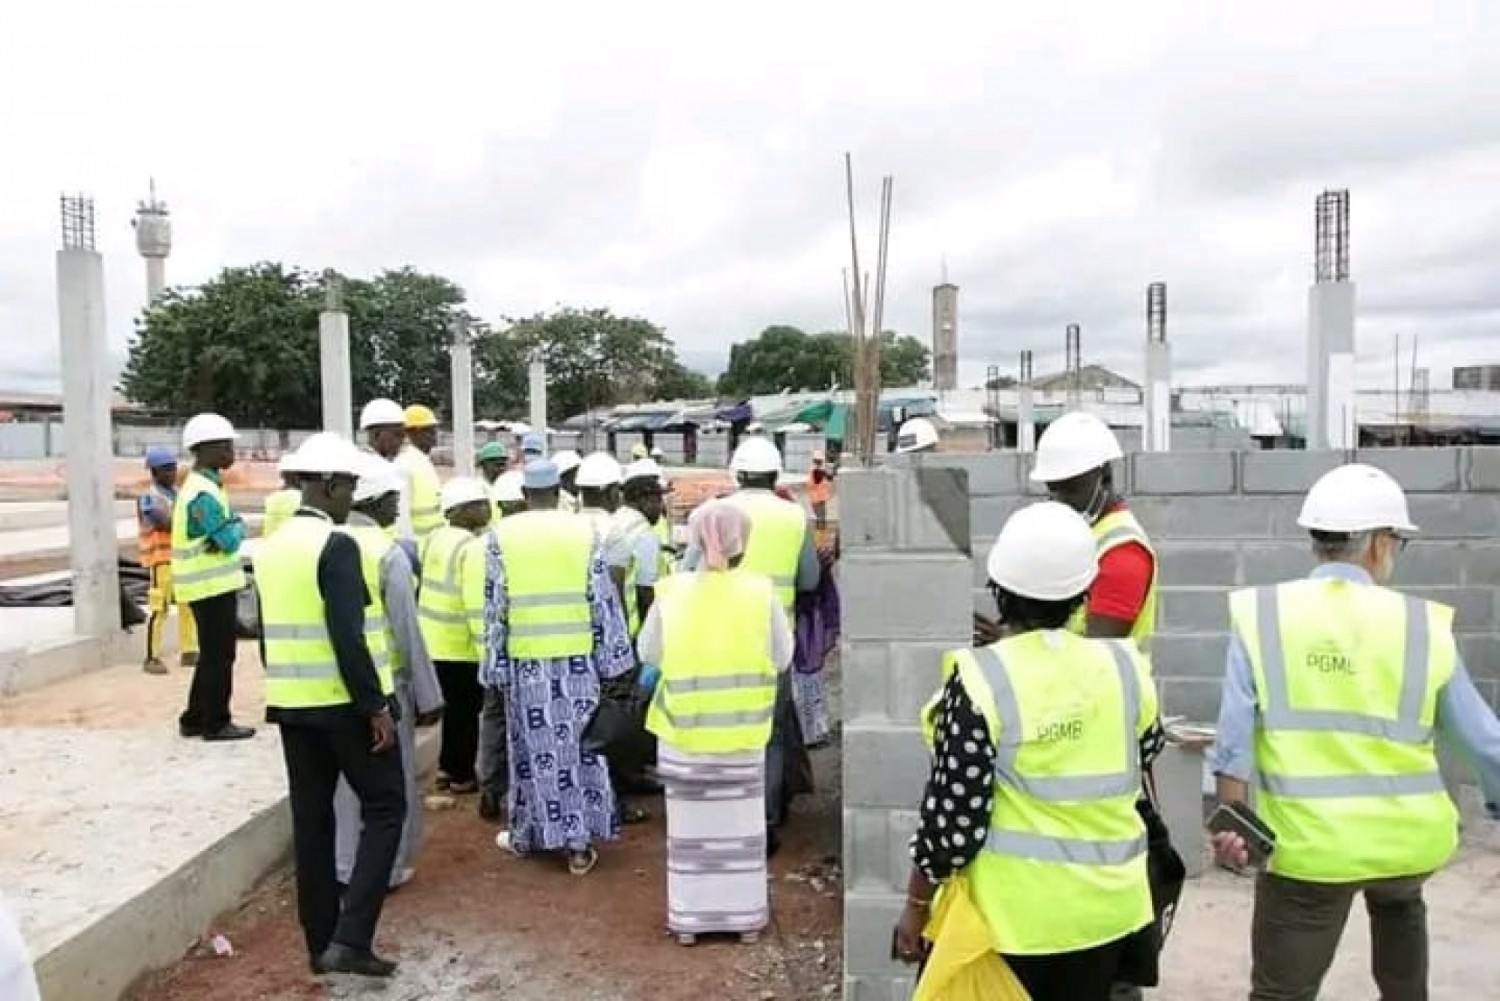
[(38, 646), (19, 515)]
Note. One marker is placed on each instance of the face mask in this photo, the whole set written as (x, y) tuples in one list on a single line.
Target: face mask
[(1095, 508)]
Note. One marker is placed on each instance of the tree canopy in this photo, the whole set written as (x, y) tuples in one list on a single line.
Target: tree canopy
[(784, 357)]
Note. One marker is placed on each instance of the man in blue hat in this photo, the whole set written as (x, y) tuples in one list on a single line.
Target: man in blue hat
[(549, 595), (154, 514)]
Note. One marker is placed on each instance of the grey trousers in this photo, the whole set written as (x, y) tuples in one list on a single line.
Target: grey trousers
[(1297, 926), (346, 804), (494, 753)]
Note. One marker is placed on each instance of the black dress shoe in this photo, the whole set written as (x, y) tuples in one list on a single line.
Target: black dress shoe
[(184, 730), (360, 962), (231, 731)]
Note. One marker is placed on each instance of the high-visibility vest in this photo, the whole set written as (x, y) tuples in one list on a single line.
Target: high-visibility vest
[(627, 526), (279, 507), (441, 611), (777, 531), (547, 558), (1063, 867), (665, 563), (1118, 528), (155, 546), (1347, 676), (374, 543), (302, 671), (717, 691), (198, 572), (426, 492)]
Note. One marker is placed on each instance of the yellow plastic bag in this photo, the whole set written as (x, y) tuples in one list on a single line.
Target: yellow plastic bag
[(964, 965)]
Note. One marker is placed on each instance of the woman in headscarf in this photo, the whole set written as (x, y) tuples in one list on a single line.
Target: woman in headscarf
[(718, 637)]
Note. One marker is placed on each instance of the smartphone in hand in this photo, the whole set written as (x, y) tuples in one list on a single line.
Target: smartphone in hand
[(1237, 818)]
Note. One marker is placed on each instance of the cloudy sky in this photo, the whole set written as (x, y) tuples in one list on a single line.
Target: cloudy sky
[(657, 159)]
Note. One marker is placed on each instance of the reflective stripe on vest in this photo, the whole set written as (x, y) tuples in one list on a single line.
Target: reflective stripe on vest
[(441, 614), (1119, 528), (426, 493), (374, 544), (717, 692), (774, 547), (1347, 678), (547, 557), (198, 572)]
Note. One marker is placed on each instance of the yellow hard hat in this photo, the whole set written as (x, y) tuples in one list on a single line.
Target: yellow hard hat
[(418, 416)]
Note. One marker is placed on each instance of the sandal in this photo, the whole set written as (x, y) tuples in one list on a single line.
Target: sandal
[(441, 783), (582, 863)]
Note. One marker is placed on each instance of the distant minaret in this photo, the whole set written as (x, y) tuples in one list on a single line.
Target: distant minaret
[(153, 240), (945, 334)]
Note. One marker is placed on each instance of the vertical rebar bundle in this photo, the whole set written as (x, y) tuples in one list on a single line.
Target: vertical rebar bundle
[(866, 317), (1331, 237), (1156, 312), (1073, 353), (77, 222), (1025, 370)]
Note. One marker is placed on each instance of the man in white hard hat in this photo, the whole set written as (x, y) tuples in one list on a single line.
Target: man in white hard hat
[(393, 597), (207, 574), (917, 435), (506, 490), (568, 463), (1036, 763), (1335, 689), (553, 624), (384, 424), (450, 605), (597, 480), (634, 547), (330, 690)]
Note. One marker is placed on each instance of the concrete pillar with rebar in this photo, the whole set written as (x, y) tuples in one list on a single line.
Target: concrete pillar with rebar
[(462, 354), (335, 375), (1158, 426), (1025, 410), (1332, 421)]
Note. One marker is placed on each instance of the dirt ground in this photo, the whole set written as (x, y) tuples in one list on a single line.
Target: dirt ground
[(480, 925)]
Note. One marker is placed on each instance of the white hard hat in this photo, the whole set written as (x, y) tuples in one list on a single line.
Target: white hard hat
[(756, 455), (205, 428), (462, 490), (916, 434), (507, 487), (376, 479), (1355, 498), (326, 452), (381, 413), (1045, 551), (642, 468), (1074, 444), (566, 459), (595, 470), (285, 464)]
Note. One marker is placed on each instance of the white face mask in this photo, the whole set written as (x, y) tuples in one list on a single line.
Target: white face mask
[(1095, 509)]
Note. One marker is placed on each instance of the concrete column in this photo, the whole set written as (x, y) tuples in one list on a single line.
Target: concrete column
[(463, 401), (1332, 420), (1025, 420), (537, 375), (93, 548), (1158, 429), (333, 362)]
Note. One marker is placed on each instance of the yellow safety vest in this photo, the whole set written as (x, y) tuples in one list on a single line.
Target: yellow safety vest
[(441, 610), (1347, 676), (717, 691), (197, 571), (278, 508), (1116, 529), (547, 556), (665, 563), (374, 543), (774, 548), (627, 526), (1063, 866), (426, 493), (302, 671)]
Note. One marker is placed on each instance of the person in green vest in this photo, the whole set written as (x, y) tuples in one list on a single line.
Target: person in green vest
[(415, 460), (329, 688), (634, 547), (208, 574), (1336, 689), (1029, 807), (282, 504)]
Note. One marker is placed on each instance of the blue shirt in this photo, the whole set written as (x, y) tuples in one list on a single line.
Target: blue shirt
[(152, 510), (207, 518), (1464, 720)]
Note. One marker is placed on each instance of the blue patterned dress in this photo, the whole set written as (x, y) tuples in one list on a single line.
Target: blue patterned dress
[(560, 797)]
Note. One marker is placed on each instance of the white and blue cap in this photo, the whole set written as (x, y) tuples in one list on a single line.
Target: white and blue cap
[(541, 474), (534, 441)]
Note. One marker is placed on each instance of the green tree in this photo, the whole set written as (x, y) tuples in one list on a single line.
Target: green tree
[(783, 357), (501, 358), (596, 359), (400, 334), (678, 382)]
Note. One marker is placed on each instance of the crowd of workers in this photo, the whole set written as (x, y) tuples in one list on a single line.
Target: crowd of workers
[(573, 647)]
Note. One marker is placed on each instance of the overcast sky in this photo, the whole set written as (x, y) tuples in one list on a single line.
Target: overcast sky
[(656, 159)]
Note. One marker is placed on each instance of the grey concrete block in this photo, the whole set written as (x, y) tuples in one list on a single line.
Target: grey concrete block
[(1418, 470), (1456, 516), (1196, 564), (1198, 700), (868, 920), (1193, 610), (916, 671), (987, 514), (1274, 562), (1484, 468), (932, 511), (867, 509), (884, 766), (867, 856), (1481, 654), (1200, 655), (1205, 517), (1473, 607), (1183, 473), (1435, 562), (1481, 563), (899, 827), (990, 473), (981, 548), (1284, 471), (895, 596), (866, 666)]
